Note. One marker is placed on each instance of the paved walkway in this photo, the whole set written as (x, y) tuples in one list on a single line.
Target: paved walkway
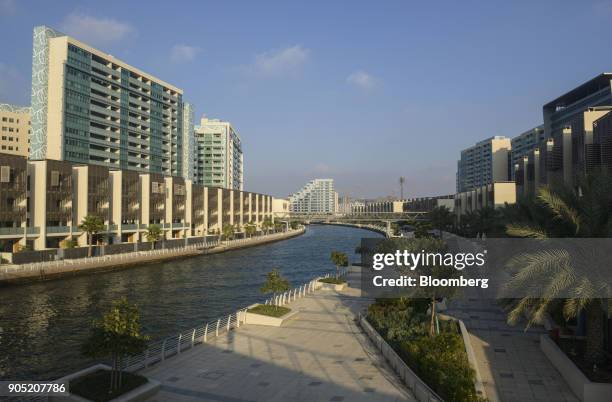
[(511, 364), (320, 355)]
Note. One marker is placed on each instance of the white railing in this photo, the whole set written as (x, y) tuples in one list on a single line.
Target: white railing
[(174, 345), (255, 239), (48, 267)]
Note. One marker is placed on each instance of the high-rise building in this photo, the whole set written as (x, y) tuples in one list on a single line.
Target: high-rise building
[(484, 163), (523, 144), (15, 129), (90, 107), (316, 197), (219, 160)]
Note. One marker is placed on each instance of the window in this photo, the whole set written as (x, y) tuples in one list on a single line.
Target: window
[(55, 178), (5, 173)]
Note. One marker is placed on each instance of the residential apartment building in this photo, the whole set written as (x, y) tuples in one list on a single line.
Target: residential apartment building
[(484, 163), (219, 159), (89, 107), (568, 122), (14, 129), (61, 194), (523, 144), (316, 197), (280, 207)]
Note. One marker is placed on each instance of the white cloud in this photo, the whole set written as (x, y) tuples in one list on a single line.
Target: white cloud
[(362, 80), (183, 53), (95, 31), (283, 61)]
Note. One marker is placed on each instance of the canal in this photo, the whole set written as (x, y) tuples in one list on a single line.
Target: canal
[(42, 325)]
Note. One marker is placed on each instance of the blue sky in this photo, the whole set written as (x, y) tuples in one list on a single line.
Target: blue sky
[(360, 91)]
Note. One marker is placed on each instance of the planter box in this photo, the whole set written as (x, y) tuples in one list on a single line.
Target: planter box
[(137, 394), (584, 388), (260, 319)]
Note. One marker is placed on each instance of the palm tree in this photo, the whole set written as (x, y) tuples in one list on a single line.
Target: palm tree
[(565, 212), (250, 229), (228, 231), (154, 233), (267, 224), (340, 260), (441, 218), (91, 224)]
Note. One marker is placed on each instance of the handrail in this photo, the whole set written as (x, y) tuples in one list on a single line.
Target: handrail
[(160, 350)]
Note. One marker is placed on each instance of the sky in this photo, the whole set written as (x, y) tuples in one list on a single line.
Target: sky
[(360, 91)]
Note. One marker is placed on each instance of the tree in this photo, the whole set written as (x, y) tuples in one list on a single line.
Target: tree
[(340, 260), (91, 224), (154, 233), (116, 335), (564, 212), (421, 230), (228, 231), (294, 225), (250, 229), (267, 224), (441, 218), (274, 284), (428, 245)]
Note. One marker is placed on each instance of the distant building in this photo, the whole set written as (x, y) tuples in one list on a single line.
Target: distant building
[(15, 129), (280, 207), (493, 195), (378, 207), (484, 163), (523, 144), (426, 204), (316, 197), (344, 205), (219, 159)]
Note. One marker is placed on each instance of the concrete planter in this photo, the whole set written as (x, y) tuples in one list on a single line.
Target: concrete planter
[(584, 388), (260, 319), (330, 286), (138, 394)]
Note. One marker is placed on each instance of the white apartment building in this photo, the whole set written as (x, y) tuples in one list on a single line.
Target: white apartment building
[(15, 129), (316, 197), (219, 159)]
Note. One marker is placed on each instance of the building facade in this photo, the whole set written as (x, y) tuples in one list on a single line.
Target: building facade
[(14, 129), (493, 195), (219, 159), (523, 144), (89, 107), (426, 204), (368, 207), (316, 197), (484, 163), (61, 194)]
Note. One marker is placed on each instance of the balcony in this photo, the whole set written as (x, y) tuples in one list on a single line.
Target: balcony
[(129, 226), (58, 229), (19, 231)]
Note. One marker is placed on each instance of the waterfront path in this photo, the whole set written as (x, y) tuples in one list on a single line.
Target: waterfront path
[(319, 355), (510, 362)]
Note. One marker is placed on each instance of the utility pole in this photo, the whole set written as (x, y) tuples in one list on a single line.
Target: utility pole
[(402, 180)]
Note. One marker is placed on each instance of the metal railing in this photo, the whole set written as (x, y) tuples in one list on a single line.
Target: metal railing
[(48, 267), (174, 345), (254, 239)]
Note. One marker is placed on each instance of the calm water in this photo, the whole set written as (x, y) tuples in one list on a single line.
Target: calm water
[(43, 324)]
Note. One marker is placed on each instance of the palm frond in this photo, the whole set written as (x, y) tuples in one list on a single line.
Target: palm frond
[(523, 230), (560, 209)]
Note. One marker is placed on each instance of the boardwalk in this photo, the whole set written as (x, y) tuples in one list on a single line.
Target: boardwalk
[(320, 355)]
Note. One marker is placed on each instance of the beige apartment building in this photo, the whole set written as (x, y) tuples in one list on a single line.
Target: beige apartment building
[(61, 195), (493, 195), (484, 163), (89, 107), (14, 129)]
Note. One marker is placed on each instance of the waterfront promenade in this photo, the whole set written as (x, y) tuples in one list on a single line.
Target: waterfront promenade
[(51, 269), (319, 355)]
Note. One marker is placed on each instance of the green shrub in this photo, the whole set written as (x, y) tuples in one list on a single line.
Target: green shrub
[(440, 361), (269, 310)]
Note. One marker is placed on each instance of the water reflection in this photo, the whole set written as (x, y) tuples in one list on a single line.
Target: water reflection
[(43, 324)]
